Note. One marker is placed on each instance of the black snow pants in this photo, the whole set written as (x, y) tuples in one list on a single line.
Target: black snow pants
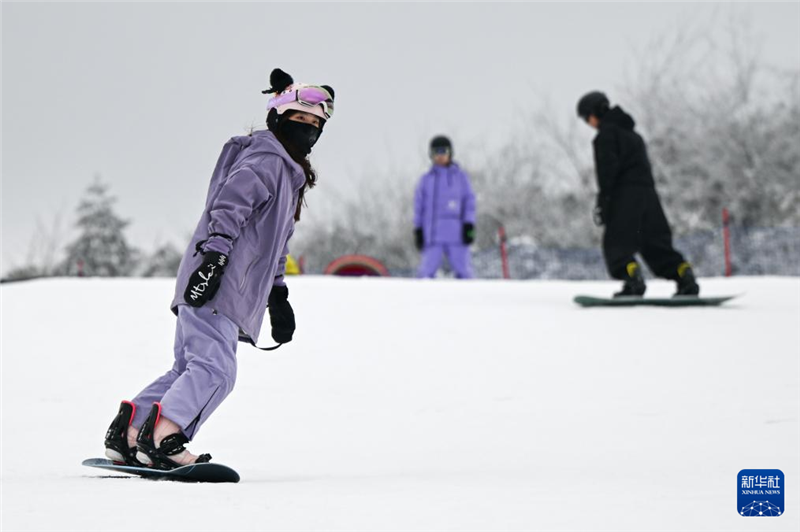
[(635, 223)]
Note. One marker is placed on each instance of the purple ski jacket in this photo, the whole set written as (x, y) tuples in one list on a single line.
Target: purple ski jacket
[(252, 198), (443, 203)]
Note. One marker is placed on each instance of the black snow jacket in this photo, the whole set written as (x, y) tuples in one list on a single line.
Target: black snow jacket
[(620, 155)]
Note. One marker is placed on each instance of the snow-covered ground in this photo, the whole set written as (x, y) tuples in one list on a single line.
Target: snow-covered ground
[(413, 405)]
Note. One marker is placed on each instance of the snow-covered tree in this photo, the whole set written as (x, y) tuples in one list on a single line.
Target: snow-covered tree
[(723, 127), (163, 262), (101, 248)]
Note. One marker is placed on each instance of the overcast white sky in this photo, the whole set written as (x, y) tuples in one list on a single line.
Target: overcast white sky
[(146, 94)]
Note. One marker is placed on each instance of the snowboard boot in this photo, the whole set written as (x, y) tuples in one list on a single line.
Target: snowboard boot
[(634, 284), (117, 448), (161, 456), (687, 284)]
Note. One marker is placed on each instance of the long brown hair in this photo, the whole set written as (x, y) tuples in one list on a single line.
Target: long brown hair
[(302, 160)]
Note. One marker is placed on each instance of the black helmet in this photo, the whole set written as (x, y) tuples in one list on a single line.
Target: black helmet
[(441, 142), (595, 103)]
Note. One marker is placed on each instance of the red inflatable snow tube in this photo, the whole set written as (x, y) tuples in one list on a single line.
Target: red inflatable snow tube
[(357, 265)]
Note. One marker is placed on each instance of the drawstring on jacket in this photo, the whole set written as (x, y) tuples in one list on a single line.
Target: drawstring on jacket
[(251, 342)]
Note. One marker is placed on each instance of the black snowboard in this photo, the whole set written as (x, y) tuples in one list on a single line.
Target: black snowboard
[(630, 301), (207, 472)]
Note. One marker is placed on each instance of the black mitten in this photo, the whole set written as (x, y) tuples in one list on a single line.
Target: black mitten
[(419, 239), (205, 281), (468, 233), (281, 315), (600, 212)]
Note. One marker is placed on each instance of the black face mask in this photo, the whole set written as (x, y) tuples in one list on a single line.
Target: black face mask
[(301, 135)]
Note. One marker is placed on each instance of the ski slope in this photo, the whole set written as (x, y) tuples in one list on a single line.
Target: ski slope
[(416, 405)]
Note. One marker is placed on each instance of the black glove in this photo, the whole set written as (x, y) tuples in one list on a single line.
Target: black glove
[(281, 315), (600, 211), (419, 239), (468, 233), (205, 281)]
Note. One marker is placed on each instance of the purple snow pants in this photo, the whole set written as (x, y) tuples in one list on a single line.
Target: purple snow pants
[(203, 373), (457, 255)]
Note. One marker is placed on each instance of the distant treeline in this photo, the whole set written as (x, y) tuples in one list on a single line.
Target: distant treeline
[(722, 126)]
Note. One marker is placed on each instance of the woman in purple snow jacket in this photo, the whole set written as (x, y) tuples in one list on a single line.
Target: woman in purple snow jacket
[(232, 270), (444, 214)]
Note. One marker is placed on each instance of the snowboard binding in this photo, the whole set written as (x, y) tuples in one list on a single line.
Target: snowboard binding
[(159, 457), (634, 284), (116, 442), (687, 284)]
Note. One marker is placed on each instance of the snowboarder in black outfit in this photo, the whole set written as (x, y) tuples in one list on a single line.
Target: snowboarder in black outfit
[(628, 204)]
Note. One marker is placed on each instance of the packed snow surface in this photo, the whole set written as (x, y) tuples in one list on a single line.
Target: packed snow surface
[(416, 405)]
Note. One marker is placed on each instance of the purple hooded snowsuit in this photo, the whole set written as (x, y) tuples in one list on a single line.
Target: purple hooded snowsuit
[(443, 203), (252, 198)]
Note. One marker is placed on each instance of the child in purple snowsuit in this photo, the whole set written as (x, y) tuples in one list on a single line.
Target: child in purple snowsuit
[(231, 271), (444, 214)]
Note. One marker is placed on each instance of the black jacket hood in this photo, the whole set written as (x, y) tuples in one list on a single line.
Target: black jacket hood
[(618, 117)]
